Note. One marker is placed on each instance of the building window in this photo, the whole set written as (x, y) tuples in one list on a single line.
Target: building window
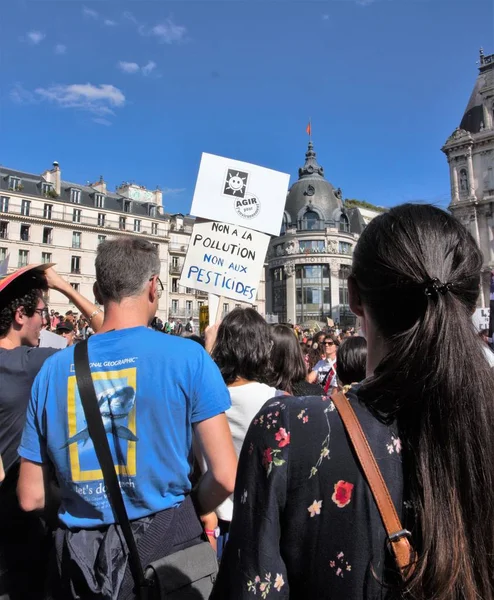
[(279, 293), (76, 215), (237, 305), (46, 189), (14, 183), (175, 262), (152, 211), (345, 248), (47, 211), (137, 225), (25, 233), (99, 200), (311, 221), (75, 196), (313, 293), (121, 222), (188, 307), (346, 316), (200, 304), (175, 285), (4, 204), (46, 257), (101, 219), (157, 246), (463, 181), (154, 228), (127, 206), (344, 224), (226, 308), (3, 230), (76, 239), (25, 208), (75, 264), (76, 286), (189, 290), (23, 258), (47, 235), (101, 238), (3, 254), (174, 306)]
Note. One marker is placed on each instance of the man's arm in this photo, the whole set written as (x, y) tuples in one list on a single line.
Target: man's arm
[(93, 313), (216, 446), (2, 472), (32, 485)]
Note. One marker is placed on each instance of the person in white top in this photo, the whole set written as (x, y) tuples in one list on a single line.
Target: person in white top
[(241, 347)]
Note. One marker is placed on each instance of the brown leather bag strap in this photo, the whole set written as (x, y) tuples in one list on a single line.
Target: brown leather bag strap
[(398, 537)]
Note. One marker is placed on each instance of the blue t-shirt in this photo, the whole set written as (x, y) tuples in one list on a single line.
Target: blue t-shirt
[(151, 388)]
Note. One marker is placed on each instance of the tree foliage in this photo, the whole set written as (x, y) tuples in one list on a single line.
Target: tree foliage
[(354, 203)]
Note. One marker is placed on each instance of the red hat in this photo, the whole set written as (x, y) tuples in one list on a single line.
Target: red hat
[(5, 280)]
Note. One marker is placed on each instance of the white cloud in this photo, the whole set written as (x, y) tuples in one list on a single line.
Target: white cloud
[(109, 22), (35, 37), (146, 69), (167, 32), (170, 191), (128, 67), (20, 95), (325, 17), (130, 17), (99, 100), (60, 49), (102, 121), (89, 12)]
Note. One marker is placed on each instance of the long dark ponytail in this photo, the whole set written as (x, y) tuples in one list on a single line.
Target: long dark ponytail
[(417, 271)]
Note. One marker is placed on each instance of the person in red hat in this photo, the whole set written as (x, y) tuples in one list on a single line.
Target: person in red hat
[(23, 313)]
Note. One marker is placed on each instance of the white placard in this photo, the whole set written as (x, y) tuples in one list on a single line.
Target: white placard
[(240, 193), (481, 318), (225, 259), (48, 339)]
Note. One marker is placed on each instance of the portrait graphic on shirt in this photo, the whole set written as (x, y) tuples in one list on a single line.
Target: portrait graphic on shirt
[(116, 395)]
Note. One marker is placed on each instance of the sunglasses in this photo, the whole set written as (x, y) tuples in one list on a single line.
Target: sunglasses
[(329, 343)]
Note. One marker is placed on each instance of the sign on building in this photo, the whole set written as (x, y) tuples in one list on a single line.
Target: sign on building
[(240, 193), (225, 259)]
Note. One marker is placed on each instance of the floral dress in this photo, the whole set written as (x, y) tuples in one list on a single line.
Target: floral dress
[(305, 524)]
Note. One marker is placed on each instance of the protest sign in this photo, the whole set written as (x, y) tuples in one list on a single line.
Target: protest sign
[(48, 339), (240, 193), (481, 318), (225, 260)]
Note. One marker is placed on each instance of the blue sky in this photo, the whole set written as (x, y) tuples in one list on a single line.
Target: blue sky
[(137, 90)]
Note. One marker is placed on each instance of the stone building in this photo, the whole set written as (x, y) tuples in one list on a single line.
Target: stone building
[(44, 218), (470, 154), (309, 262)]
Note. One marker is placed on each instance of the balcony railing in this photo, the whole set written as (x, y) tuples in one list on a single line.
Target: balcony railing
[(4, 234), (182, 228), (179, 248), (67, 217), (175, 269), (183, 313)]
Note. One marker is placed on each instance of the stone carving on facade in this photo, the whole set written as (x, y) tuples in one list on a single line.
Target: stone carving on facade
[(289, 268), (334, 266), (463, 181), (279, 250), (332, 246), (457, 134), (292, 247), (339, 194)]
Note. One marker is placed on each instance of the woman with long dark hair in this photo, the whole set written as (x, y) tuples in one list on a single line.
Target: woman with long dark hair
[(305, 523), (351, 362), (288, 366)]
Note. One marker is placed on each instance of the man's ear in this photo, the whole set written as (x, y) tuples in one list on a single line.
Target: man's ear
[(354, 297), (20, 316), (97, 293)]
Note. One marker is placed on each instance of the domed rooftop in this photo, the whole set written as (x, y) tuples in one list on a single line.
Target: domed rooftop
[(473, 119), (312, 193)]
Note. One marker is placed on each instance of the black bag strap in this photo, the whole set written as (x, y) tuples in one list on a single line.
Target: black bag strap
[(102, 448)]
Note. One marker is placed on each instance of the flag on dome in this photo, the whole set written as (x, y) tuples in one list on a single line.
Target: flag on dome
[(309, 129)]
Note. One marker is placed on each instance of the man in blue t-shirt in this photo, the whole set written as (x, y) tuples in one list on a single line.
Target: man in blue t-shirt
[(153, 391)]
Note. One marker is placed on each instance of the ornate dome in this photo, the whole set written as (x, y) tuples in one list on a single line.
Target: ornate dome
[(313, 195)]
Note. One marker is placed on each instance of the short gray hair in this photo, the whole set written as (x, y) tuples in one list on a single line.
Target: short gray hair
[(124, 265)]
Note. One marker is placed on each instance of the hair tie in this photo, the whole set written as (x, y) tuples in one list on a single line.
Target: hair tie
[(434, 286)]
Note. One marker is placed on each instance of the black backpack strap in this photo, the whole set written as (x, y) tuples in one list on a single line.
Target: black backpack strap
[(102, 448)]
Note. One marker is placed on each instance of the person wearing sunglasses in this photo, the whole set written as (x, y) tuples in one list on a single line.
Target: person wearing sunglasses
[(324, 371)]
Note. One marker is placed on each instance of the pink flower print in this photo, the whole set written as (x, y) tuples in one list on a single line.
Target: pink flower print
[(338, 572), (262, 587), (340, 555), (282, 437), (279, 582), (397, 445), (257, 579), (277, 413), (342, 493), (305, 419), (315, 508), (332, 564)]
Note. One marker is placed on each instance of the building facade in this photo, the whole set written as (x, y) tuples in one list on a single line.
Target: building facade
[(470, 154), (308, 264), (45, 219)]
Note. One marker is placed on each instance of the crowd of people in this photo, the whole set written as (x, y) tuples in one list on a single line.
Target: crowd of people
[(237, 440)]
